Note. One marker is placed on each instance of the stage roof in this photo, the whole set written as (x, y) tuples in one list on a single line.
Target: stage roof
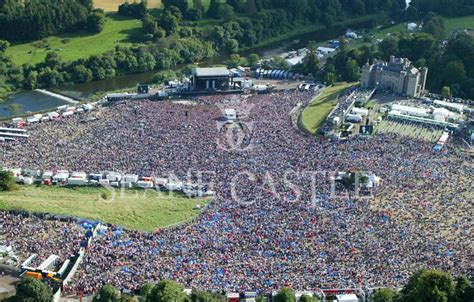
[(211, 72)]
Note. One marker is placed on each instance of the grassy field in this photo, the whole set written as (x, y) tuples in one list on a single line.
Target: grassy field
[(319, 108), (140, 210), (451, 25), (117, 30)]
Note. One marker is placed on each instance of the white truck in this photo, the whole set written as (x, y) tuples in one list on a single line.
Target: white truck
[(77, 179)]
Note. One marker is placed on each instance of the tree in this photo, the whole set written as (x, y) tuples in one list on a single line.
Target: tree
[(82, 74), (193, 14), (15, 109), (96, 22), (311, 60), (146, 289), (3, 46), (146, 62), (446, 92), (434, 25), (464, 290), (135, 10), (108, 293), (29, 289), (389, 46), (149, 25), (428, 286), (285, 295), (183, 5), (225, 12), (384, 295), (31, 80), (235, 60), (213, 10), (53, 59), (198, 5), (232, 46), (454, 73), (351, 71), (7, 182), (253, 59), (168, 22), (306, 298), (165, 291), (329, 78)]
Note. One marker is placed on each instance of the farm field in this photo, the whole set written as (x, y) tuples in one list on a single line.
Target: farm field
[(112, 5), (139, 210), (117, 30), (319, 108)]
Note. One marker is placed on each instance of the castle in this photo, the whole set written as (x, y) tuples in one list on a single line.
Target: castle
[(399, 75)]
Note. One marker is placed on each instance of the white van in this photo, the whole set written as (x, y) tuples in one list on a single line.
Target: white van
[(145, 184)]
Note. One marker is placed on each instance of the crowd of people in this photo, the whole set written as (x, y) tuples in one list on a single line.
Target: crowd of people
[(43, 236), (275, 220)]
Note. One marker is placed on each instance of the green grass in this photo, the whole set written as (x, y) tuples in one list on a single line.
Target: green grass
[(140, 210), (318, 109), (460, 23), (451, 24), (117, 30), (371, 104)]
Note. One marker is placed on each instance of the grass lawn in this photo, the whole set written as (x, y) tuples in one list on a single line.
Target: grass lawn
[(140, 210), (450, 23), (319, 108), (117, 30), (457, 23)]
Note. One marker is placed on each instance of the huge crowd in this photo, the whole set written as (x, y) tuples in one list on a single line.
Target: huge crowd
[(275, 220), (43, 236)]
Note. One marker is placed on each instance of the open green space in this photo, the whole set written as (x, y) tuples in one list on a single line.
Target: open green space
[(318, 109), (133, 209), (451, 24), (117, 30)]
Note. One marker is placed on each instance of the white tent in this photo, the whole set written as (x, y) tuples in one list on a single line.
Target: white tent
[(32, 119), (347, 298), (412, 26), (53, 114), (415, 111), (230, 115), (361, 111)]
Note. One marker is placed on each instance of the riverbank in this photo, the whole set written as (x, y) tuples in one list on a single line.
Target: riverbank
[(313, 28)]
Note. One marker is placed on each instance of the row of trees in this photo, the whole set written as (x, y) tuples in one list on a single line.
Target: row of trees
[(423, 286), (36, 19), (447, 8)]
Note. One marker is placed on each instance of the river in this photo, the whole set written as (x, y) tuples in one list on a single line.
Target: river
[(32, 101)]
